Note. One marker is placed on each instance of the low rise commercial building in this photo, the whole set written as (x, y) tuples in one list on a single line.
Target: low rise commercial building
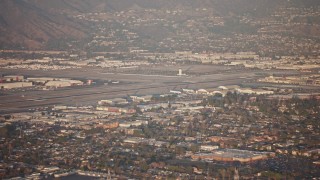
[(63, 83), (15, 85), (115, 101), (208, 147), (232, 155), (132, 123), (253, 91)]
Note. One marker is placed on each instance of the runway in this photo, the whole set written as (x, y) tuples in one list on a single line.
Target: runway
[(19, 101)]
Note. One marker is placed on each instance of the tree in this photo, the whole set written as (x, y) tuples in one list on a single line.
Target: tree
[(3, 132), (180, 150), (147, 132), (194, 148), (144, 166)]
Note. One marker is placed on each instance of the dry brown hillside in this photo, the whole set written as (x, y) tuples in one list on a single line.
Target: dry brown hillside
[(31, 24)]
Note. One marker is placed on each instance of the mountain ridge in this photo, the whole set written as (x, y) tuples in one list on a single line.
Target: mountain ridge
[(31, 24)]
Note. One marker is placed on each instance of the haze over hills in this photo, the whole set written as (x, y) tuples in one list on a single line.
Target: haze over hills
[(159, 89), (33, 24), (24, 24)]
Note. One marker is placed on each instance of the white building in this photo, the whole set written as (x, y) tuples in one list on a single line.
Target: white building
[(63, 83), (175, 92), (134, 140), (188, 91), (253, 91), (146, 98), (58, 84), (13, 78), (133, 123), (42, 80), (202, 91), (208, 147), (15, 85), (115, 101)]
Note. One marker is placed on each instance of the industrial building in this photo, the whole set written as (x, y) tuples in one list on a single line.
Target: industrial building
[(146, 98), (133, 123), (208, 147), (202, 91), (116, 110), (15, 85), (232, 155), (151, 142), (253, 91), (41, 80), (188, 91), (63, 83), (152, 106), (12, 78), (115, 101), (134, 140), (58, 84)]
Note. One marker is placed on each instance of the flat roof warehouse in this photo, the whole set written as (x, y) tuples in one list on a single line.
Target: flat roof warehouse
[(232, 155)]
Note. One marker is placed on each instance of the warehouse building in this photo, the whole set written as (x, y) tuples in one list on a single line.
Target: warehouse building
[(41, 80), (12, 78), (146, 98), (115, 101), (63, 83), (15, 85), (232, 155), (133, 123)]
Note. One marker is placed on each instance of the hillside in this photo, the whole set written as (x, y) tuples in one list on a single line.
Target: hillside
[(31, 24), (25, 25)]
